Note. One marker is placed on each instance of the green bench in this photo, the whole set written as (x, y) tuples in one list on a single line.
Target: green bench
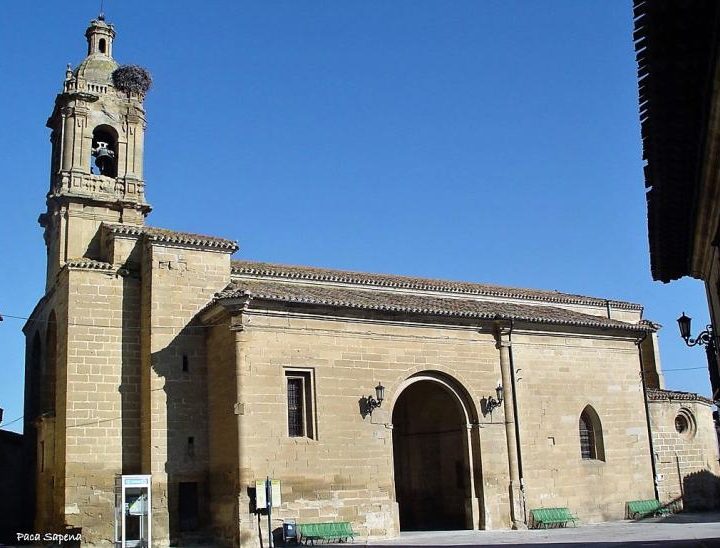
[(638, 509), (340, 531), (546, 517)]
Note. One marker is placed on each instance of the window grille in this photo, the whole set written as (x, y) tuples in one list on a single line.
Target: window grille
[(296, 419), (587, 437)]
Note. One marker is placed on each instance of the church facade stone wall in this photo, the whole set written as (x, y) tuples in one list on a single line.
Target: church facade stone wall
[(687, 461), (390, 402)]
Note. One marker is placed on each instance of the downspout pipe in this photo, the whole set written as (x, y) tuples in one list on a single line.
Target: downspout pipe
[(647, 415), (516, 505), (513, 382)]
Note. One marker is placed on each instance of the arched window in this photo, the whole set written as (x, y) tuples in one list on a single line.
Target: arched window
[(591, 438), (102, 45)]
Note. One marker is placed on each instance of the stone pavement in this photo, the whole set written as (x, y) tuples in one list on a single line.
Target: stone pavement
[(677, 531)]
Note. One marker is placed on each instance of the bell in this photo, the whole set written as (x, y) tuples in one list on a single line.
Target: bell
[(103, 158)]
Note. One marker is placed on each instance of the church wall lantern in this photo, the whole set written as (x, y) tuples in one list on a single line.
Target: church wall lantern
[(494, 402), (375, 402)]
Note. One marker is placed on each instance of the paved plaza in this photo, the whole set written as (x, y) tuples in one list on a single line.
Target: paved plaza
[(680, 530)]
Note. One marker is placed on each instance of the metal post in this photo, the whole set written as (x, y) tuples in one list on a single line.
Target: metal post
[(268, 499)]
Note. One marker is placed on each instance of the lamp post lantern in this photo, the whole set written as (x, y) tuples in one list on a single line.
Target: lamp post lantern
[(705, 338)]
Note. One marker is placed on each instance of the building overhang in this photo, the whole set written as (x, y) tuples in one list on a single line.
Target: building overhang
[(676, 45)]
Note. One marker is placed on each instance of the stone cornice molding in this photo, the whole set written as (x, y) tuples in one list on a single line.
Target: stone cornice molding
[(84, 263)]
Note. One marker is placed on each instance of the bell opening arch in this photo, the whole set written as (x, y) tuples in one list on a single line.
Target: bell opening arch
[(104, 152), (437, 478)]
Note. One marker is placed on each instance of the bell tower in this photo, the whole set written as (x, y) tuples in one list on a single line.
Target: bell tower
[(97, 135)]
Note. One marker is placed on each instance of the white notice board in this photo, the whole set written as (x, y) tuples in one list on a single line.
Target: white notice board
[(261, 499)]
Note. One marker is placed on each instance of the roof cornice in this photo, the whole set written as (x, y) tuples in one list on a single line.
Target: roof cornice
[(173, 237), (302, 273), (264, 292), (657, 394)]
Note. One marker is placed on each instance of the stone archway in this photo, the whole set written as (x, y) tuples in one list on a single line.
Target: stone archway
[(432, 457)]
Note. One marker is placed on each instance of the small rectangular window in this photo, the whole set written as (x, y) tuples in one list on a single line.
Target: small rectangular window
[(185, 363), (301, 421)]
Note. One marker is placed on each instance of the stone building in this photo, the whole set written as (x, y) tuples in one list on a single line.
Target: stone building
[(154, 352)]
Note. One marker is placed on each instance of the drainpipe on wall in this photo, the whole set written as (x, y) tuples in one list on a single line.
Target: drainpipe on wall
[(516, 506), (647, 416), (513, 382)]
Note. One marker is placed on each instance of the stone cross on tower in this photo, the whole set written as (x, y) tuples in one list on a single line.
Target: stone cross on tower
[(97, 154)]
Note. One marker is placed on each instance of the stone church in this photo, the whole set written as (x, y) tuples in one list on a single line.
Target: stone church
[(390, 402)]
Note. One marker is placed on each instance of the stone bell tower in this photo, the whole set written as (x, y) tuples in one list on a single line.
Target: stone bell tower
[(96, 173)]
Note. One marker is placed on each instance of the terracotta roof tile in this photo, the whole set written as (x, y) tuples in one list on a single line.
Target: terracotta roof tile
[(408, 303), (173, 236), (309, 273), (656, 394)]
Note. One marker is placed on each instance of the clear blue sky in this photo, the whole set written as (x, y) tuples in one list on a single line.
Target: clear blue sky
[(476, 140)]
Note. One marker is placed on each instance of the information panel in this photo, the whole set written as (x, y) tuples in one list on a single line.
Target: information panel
[(260, 497)]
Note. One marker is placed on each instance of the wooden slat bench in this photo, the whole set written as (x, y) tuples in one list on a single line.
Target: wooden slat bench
[(545, 517), (340, 531), (638, 509)]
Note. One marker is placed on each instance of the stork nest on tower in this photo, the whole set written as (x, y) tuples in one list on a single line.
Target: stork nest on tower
[(132, 79)]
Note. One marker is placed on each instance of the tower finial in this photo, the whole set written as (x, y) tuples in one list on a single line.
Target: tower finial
[(101, 15), (100, 35)]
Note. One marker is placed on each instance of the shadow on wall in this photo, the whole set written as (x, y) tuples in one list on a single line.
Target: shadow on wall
[(12, 487), (701, 491), (181, 364)]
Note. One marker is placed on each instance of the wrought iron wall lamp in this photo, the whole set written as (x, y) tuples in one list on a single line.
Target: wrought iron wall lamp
[(704, 338), (491, 402), (373, 403)]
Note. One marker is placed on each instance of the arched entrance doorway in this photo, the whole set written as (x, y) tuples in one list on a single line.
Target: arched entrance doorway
[(433, 479)]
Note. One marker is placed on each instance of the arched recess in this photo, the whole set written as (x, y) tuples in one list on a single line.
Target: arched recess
[(34, 378), (592, 446), (49, 377), (437, 478)]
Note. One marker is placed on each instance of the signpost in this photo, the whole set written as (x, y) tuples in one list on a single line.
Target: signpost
[(267, 497)]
